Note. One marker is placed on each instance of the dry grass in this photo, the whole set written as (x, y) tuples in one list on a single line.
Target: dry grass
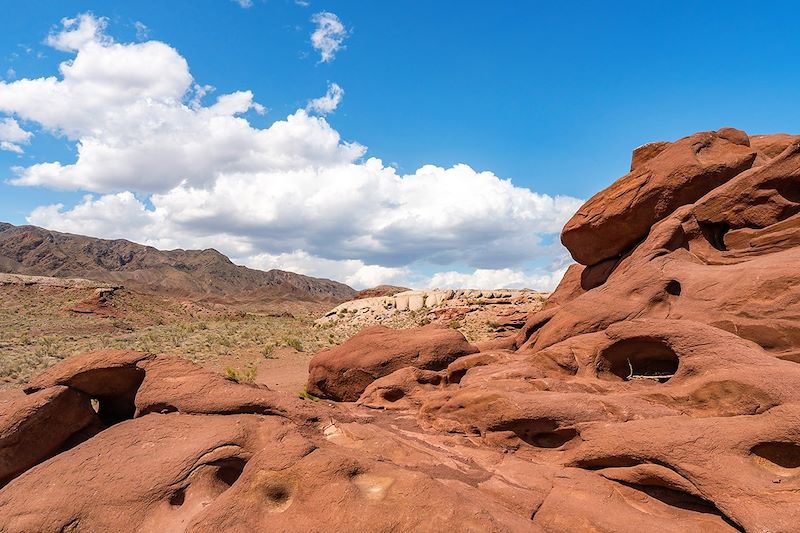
[(36, 330)]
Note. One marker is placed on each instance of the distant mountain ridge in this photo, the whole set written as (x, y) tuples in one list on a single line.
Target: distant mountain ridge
[(194, 274)]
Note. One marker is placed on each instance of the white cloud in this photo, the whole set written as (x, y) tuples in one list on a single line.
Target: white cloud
[(292, 195), (302, 3), (12, 135), (244, 3), (142, 31), (353, 272), (504, 278), (77, 32), (11, 73), (328, 102), (329, 35), (11, 147)]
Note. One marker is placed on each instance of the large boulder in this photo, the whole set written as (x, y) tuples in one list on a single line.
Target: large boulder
[(33, 428), (618, 217), (728, 260), (342, 373), (111, 377)]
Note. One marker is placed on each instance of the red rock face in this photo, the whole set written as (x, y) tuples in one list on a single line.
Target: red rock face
[(342, 373), (657, 390)]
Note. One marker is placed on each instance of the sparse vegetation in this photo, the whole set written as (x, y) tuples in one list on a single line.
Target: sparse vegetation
[(267, 351), (247, 375), (305, 395), (293, 342), (36, 331)]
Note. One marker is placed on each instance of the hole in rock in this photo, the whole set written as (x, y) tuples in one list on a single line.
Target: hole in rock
[(277, 490), (278, 493), (788, 187), (554, 439), (674, 288), (541, 433), (392, 395), (229, 470), (779, 457), (611, 461), (714, 232), (456, 375), (683, 500), (112, 391), (638, 359), (178, 498)]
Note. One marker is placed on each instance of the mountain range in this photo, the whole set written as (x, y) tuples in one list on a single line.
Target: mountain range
[(202, 275)]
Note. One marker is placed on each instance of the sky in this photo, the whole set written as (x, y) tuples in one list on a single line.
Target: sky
[(426, 144)]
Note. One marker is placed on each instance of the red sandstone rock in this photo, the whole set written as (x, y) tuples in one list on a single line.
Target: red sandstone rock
[(36, 427), (342, 373), (618, 217)]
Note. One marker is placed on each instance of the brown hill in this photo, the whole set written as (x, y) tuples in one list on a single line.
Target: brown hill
[(193, 274)]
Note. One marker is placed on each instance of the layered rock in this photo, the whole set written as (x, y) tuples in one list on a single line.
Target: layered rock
[(658, 389)]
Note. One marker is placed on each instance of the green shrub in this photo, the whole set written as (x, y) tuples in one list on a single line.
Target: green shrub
[(305, 395)]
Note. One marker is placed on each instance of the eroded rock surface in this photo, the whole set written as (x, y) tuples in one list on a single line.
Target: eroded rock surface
[(658, 389), (342, 373)]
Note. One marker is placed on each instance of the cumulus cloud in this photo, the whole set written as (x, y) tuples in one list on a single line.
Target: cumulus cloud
[(328, 102), (353, 272), (329, 35), (12, 135), (505, 278), (75, 33), (170, 167)]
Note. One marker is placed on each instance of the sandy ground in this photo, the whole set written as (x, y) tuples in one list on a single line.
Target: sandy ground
[(288, 372)]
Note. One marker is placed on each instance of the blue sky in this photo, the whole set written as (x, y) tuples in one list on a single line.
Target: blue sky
[(552, 96)]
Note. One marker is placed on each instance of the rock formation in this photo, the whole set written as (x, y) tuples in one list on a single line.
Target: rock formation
[(658, 389), (489, 318), (342, 373)]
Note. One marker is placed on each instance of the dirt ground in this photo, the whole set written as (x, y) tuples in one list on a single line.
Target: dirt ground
[(42, 324), (38, 329)]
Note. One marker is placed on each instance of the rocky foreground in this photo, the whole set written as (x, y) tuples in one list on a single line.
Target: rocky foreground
[(658, 389)]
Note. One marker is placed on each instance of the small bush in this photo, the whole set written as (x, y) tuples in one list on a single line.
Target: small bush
[(293, 342), (305, 395), (246, 376), (455, 324), (48, 347), (267, 351)]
